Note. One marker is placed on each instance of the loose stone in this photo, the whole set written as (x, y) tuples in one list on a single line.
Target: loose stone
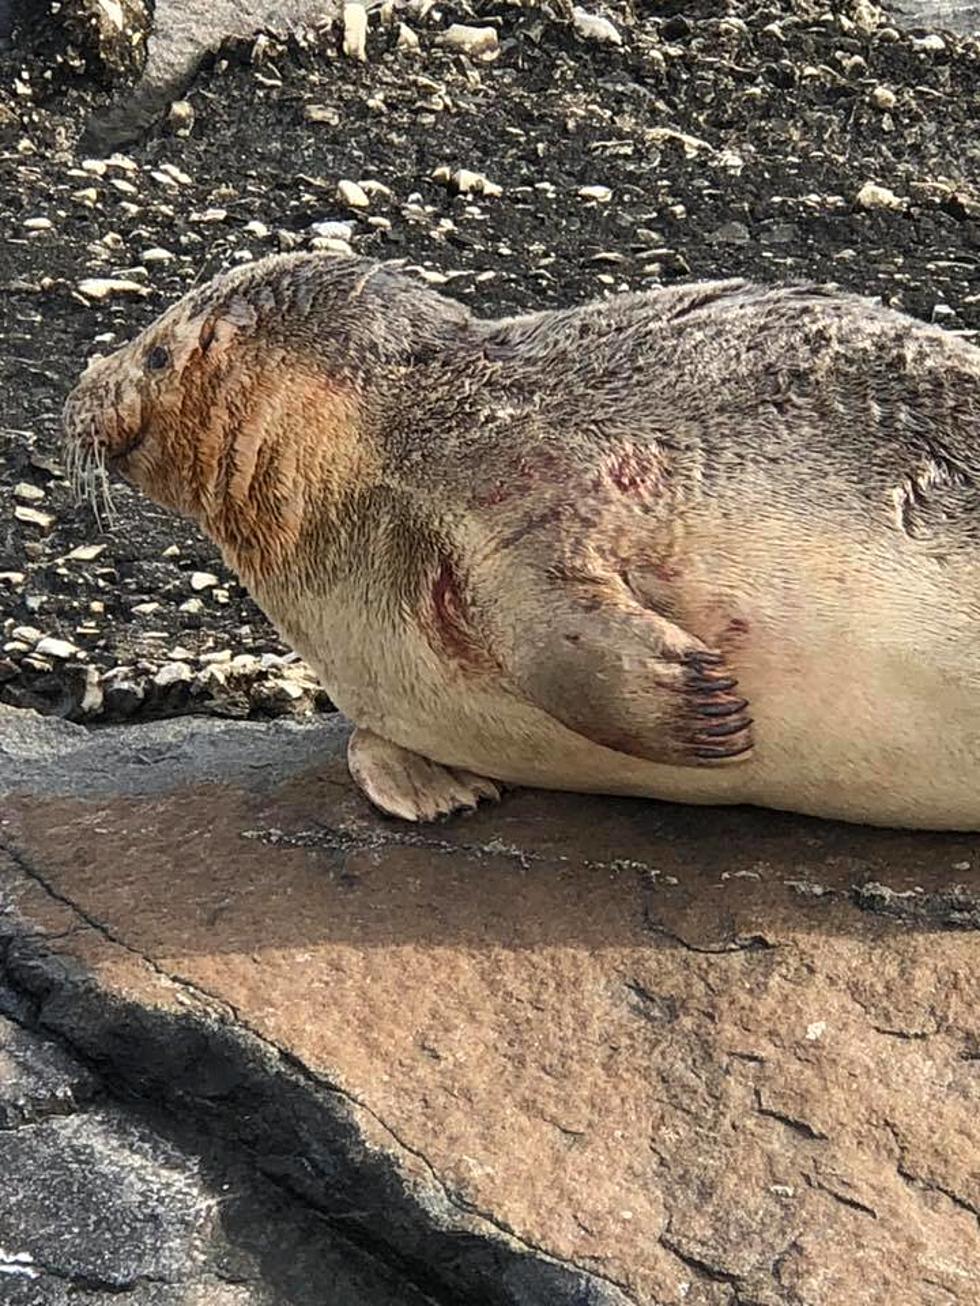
[(873, 196), (355, 32), (107, 287), (349, 193), (50, 647), (180, 117), (477, 42), (593, 27)]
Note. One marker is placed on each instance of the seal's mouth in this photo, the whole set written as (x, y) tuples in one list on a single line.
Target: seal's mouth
[(115, 458), (91, 452)]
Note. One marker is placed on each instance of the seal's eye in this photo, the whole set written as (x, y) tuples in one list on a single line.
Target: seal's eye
[(157, 359)]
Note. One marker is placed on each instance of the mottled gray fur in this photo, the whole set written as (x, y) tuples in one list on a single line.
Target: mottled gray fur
[(818, 388)]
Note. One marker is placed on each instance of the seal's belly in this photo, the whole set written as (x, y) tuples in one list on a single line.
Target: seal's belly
[(844, 728), (866, 708), (842, 732)]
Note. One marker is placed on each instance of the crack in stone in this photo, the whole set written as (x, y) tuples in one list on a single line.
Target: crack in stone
[(738, 943), (931, 1186), (346, 839), (701, 1267), (455, 1199), (815, 1182), (921, 1184), (209, 1000), (104, 931), (657, 1010), (933, 1283), (907, 1034), (799, 1126), (955, 908), (80, 1281)]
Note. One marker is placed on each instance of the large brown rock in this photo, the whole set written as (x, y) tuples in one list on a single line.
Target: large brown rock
[(566, 1050)]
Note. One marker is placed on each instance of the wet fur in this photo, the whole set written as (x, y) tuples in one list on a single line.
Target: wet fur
[(784, 479)]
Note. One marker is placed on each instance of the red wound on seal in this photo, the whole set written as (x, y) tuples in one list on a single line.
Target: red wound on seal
[(634, 472), (450, 618)]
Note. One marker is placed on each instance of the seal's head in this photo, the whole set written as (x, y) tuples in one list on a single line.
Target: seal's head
[(249, 404), (157, 409), (227, 408)]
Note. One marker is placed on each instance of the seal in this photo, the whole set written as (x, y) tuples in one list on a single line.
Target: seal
[(716, 543)]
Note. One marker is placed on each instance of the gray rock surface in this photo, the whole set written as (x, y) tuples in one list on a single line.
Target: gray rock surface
[(47, 755), (951, 15), (184, 31), (98, 1204)]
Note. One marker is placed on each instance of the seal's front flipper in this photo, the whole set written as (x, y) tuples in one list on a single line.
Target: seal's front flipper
[(405, 784), (618, 673)]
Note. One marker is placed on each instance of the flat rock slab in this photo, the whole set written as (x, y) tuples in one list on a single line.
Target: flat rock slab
[(566, 1050)]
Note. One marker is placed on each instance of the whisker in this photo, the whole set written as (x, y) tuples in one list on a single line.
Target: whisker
[(88, 475)]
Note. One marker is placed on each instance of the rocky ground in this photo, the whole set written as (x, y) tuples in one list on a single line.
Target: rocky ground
[(568, 1051), (776, 140)]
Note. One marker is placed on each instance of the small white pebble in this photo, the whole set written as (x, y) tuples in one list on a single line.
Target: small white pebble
[(593, 27), (27, 634), (202, 580), (55, 648), (349, 193), (85, 553), (107, 287), (602, 194), (180, 117), (113, 10), (882, 97), (873, 196), (466, 182), (477, 42), (28, 493), (172, 673), (38, 224), (330, 245), (32, 517), (816, 1030), (322, 113), (176, 174), (408, 40), (332, 230)]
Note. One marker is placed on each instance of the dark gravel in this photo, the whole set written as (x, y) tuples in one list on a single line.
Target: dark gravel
[(732, 139)]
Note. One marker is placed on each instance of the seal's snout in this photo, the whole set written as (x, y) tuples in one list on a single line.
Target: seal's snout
[(99, 419), (100, 428)]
